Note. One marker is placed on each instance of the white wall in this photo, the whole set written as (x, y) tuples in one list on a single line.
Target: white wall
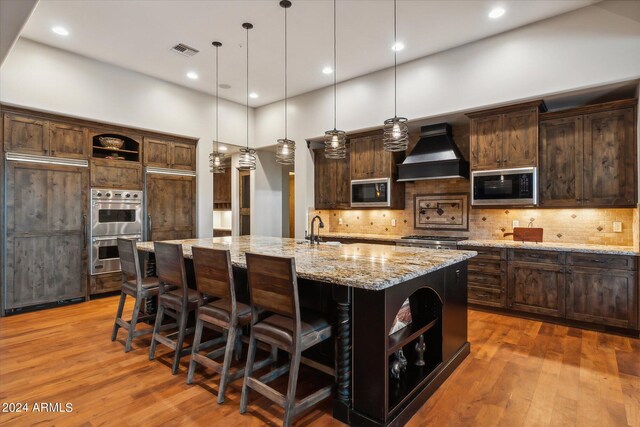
[(266, 196), (581, 49), (48, 79)]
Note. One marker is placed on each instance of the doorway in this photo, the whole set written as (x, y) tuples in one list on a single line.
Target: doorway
[(245, 202)]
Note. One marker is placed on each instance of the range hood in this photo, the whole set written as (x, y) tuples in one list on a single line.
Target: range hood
[(435, 156)]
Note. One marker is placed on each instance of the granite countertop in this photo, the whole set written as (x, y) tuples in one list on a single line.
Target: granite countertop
[(365, 266), (381, 237), (550, 246)]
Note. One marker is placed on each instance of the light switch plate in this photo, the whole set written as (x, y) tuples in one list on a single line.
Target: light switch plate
[(340, 221), (515, 223), (617, 226), (394, 223)]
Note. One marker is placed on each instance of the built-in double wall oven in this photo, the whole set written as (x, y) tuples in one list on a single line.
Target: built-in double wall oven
[(114, 213)]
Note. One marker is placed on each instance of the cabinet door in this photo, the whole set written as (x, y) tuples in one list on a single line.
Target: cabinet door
[(183, 156), (536, 288), (68, 141), (560, 170), (608, 297), (222, 187), (610, 158), (362, 158), (382, 160), (342, 183), (520, 139), (171, 206), (486, 142), (26, 135), (116, 174), (322, 180), (157, 153), (46, 253)]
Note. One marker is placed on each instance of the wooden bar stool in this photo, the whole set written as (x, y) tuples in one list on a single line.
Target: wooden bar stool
[(214, 278), (136, 286), (273, 287), (175, 299)]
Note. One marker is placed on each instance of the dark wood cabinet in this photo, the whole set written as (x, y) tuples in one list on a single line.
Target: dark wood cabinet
[(588, 156), (68, 141), (369, 160), (116, 174), (222, 190), (332, 186), (46, 220), (536, 288), (487, 277), (26, 135), (505, 137), (602, 295), (171, 206), (168, 154)]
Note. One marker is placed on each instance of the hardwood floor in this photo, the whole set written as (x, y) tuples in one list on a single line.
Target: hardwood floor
[(520, 372)]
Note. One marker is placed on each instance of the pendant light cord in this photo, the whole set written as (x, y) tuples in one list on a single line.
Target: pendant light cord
[(285, 75), (247, 88), (335, 71), (217, 143), (395, 62)]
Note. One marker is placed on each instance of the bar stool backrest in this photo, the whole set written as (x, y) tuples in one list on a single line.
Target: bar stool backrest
[(214, 273), (129, 261), (273, 284), (170, 266)]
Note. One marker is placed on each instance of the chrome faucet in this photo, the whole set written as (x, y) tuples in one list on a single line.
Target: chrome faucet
[(315, 238)]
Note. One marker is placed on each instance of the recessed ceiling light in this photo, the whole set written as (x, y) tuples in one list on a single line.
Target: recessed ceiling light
[(327, 70), (192, 75), (61, 31), (253, 95), (496, 12), (398, 46), (222, 148)]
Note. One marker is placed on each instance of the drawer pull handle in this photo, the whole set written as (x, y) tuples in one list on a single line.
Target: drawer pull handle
[(599, 261), (482, 295), (534, 256), (481, 264)]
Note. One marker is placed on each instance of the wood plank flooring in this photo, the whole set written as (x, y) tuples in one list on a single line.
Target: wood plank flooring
[(520, 373)]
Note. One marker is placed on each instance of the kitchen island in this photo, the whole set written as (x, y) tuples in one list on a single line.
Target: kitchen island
[(361, 288)]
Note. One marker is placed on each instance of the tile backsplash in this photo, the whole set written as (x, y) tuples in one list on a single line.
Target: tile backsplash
[(592, 226)]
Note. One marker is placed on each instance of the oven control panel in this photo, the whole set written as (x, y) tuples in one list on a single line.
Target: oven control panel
[(115, 194)]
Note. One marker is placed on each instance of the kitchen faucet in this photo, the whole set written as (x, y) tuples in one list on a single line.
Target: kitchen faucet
[(316, 237)]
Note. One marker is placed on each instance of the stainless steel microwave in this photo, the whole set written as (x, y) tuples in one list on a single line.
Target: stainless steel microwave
[(371, 193), (518, 186)]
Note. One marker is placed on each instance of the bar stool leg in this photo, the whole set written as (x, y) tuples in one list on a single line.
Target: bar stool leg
[(290, 401), (194, 349), (182, 327), (114, 333), (228, 353), (132, 324), (156, 331), (247, 373)]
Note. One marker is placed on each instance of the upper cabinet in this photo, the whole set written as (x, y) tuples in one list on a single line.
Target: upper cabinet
[(168, 154), (505, 138), (331, 181), (36, 136), (588, 156), (369, 160), (222, 190)]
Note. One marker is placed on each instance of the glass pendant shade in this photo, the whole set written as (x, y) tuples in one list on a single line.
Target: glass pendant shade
[(247, 161), (335, 144), (395, 136), (286, 152)]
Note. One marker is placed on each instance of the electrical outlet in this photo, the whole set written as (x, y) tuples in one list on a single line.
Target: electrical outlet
[(340, 221), (617, 226), (394, 223), (515, 223)]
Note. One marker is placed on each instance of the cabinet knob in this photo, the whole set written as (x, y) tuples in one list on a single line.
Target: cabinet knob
[(505, 160)]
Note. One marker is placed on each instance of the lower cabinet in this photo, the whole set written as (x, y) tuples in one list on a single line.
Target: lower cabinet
[(605, 296), (537, 288), (487, 277), (171, 207)]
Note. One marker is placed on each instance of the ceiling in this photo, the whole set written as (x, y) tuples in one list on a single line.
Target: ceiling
[(138, 35)]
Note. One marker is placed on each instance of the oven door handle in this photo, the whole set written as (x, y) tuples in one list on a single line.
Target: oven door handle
[(84, 231), (105, 238)]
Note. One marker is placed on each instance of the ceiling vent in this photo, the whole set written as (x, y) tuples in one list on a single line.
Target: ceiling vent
[(185, 50)]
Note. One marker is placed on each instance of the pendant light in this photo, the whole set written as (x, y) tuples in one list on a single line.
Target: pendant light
[(395, 130), (216, 158), (286, 150), (247, 161), (335, 145)]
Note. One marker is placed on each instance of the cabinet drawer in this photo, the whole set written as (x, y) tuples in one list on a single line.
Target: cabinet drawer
[(483, 266), (494, 281), (485, 296), (546, 257), (602, 261), (486, 254)]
